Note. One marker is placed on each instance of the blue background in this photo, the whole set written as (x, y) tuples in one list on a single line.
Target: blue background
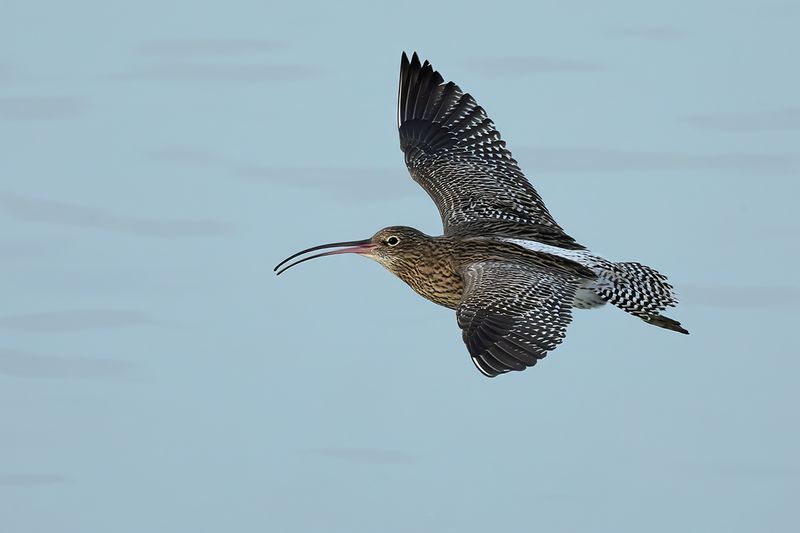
[(159, 158)]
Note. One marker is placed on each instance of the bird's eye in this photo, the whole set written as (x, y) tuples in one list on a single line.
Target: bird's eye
[(392, 241)]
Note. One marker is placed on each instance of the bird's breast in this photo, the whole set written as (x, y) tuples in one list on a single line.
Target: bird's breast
[(435, 280)]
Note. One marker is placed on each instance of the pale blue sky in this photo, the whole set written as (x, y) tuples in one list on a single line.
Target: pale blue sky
[(158, 159)]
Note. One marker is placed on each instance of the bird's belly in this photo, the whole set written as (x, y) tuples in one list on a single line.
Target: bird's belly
[(587, 298)]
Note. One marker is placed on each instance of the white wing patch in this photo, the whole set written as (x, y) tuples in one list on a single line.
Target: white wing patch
[(584, 257)]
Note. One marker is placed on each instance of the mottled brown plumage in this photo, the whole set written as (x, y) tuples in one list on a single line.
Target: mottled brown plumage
[(434, 266), (504, 265)]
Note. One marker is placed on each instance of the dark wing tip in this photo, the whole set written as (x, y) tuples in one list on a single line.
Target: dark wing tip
[(414, 57), (420, 103)]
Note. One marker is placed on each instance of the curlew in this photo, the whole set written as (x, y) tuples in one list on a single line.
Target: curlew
[(503, 264)]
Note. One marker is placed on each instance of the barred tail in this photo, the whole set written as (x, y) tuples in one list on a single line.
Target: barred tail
[(641, 291)]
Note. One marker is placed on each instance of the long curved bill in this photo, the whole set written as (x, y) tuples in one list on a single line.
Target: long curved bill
[(353, 247)]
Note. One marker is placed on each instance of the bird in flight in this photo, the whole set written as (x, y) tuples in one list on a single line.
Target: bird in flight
[(504, 265)]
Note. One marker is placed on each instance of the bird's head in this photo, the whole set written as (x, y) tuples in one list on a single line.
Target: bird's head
[(392, 247)]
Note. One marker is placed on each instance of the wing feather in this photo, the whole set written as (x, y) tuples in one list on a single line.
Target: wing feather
[(512, 315), (454, 152)]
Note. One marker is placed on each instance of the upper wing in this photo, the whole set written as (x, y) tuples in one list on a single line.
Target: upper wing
[(453, 150), (512, 315)]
